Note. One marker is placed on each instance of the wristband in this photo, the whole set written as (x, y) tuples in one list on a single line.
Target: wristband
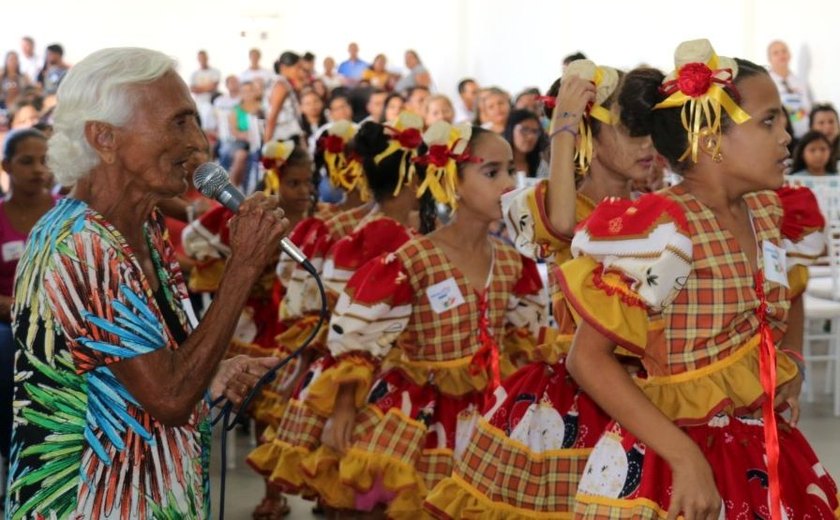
[(565, 128)]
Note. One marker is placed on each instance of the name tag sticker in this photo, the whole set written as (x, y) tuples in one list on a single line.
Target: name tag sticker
[(775, 263), (444, 296), (12, 251)]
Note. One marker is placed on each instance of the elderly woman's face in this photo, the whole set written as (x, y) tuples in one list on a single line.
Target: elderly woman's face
[(163, 143)]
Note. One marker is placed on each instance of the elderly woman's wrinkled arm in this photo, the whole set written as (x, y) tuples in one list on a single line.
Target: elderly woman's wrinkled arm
[(169, 383)]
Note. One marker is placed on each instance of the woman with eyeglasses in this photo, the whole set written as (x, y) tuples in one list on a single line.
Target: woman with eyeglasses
[(527, 138)]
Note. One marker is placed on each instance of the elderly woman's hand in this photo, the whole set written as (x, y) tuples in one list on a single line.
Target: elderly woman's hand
[(255, 232), (238, 375)]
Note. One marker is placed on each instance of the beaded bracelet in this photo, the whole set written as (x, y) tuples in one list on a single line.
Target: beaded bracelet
[(565, 128)]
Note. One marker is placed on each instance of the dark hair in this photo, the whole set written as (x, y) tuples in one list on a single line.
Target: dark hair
[(56, 48), (322, 118), (382, 177), (533, 157), (288, 59), (462, 85), (388, 99), (308, 56), (640, 93), (799, 153), (528, 91), (823, 107), (15, 137), (411, 90), (573, 57)]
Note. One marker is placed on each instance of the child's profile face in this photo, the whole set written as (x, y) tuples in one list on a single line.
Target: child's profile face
[(754, 153), (482, 184)]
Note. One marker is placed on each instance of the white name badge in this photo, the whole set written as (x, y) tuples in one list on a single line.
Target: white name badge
[(12, 251), (775, 263), (444, 296)]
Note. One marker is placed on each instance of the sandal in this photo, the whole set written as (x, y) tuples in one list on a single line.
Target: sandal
[(272, 508)]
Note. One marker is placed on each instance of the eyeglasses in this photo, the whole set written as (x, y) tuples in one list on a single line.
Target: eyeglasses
[(526, 130)]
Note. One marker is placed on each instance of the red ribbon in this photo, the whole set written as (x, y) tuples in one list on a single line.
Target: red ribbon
[(410, 138), (767, 369), (487, 357), (695, 79), (269, 163), (439, 155)]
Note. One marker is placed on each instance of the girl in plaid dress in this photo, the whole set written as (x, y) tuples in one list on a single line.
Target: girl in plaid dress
[(298, 298), (693, 281), (532, 442), (383, 230), (446, 302)]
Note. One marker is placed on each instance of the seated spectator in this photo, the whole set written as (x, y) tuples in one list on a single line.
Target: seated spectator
[(375, 106), (243, 127), (353, 67), (528, 99), (330, 79), (313, 114), (527, 139), (415, 100), (813, 155), (54, 69), (339, 108), (438, 108), (417, 76), (24, 114), (307, 66), (494, 109), (394, 104), (255, 73), (377, 74), (823, 118), (30, 62), (12, 79), (465, 105), (29, 198)]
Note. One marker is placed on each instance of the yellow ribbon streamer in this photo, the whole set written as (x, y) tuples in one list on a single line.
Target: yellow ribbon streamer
[(272, 182)]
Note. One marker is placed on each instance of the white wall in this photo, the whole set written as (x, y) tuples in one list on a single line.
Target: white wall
[(510, 43)]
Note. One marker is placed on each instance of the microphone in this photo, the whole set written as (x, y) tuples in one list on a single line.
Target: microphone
[(213, 182)]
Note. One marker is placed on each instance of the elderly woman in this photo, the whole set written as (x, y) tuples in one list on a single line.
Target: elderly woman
[(113, 373)]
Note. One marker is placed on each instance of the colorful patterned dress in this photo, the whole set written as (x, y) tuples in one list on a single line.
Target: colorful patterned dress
[(285, 446), (530, 446), (417, 409), (664, 281), (82, 446)]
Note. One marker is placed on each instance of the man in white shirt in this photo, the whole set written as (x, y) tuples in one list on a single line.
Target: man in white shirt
[(255, 73), (465, 104), (205, 81), (30, 63), (795, 92)]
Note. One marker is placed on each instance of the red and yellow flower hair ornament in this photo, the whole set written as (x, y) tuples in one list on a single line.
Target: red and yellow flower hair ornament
[(406, 135), (698, 86), (274, 155), (605, 80), (447, 146)]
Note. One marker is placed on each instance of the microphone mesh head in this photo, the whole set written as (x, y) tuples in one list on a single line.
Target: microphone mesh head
[(209, 178)]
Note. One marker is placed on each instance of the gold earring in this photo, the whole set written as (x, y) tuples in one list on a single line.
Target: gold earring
[(717, 157)]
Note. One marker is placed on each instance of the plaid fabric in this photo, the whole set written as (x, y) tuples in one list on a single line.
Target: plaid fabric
[(395, 437), (343, 223), (508, 473), (300, 426), (452, 334), (715, 312), (434, 466)]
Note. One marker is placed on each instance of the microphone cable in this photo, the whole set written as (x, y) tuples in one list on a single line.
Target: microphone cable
[(227, 417)]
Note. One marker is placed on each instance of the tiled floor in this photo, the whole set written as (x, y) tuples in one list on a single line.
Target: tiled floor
[(245, 488)]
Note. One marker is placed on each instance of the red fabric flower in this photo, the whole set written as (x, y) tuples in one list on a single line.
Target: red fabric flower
[(409, 138), (268, 163), (694, 79), (438, 155), (801, 212), (333, 143)]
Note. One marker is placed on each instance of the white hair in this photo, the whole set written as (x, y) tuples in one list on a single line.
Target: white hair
[(98, 88)]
